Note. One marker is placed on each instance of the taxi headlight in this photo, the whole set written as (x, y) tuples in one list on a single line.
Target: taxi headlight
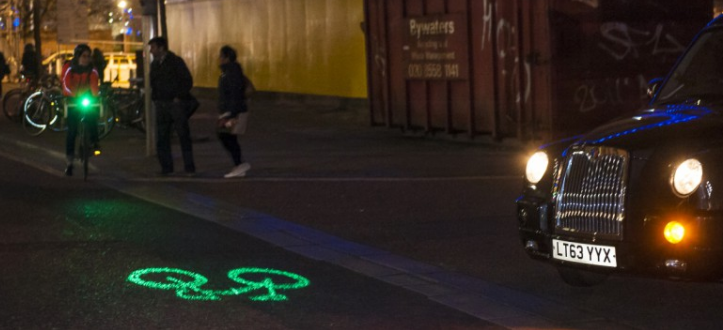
[(536, 167), (687, 177)]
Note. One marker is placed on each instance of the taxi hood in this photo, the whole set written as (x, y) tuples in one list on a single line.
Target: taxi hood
[(672, 124)]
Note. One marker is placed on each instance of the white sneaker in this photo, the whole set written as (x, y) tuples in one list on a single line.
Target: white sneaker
[(238, 171)]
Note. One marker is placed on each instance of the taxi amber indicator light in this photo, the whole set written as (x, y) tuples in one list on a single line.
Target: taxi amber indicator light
[(260, 284), (674, 232)]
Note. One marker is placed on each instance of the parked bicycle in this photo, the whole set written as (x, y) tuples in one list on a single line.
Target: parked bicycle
[(14, 99), (128, 105), (39, 115)]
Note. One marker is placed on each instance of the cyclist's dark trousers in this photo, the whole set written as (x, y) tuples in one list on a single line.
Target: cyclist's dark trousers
[(173, 115), (73, 123)]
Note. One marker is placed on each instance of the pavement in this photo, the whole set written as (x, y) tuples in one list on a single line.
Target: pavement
[(292, 141)]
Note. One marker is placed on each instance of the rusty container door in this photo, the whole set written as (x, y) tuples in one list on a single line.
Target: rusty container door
[(459, 66), (528, 70), (513, 69)]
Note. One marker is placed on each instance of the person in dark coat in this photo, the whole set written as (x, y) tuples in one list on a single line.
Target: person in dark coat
[(4, 70), (30, 62), (171, 84), (231, 106), (99, 63)]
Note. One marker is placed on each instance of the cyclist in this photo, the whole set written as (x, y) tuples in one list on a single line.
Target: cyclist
[(80, 79)]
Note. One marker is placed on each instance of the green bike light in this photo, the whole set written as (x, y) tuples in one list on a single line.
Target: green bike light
[(84, 102)]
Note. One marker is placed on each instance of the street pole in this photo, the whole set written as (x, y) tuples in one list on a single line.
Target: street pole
[(149, 31), (37, 37), (162, 19)]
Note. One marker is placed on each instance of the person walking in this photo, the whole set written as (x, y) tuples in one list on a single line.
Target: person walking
[(30, 63), (232, 109), (80, 80), (171, 84)]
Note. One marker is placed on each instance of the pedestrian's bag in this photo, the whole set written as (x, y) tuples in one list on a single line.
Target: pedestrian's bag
[(190, 106), (236, 126)]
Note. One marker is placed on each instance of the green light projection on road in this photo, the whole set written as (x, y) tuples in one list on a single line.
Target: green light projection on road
[(188, 284)]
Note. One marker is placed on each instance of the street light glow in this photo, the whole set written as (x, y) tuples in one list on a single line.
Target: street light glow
[(122, 4)]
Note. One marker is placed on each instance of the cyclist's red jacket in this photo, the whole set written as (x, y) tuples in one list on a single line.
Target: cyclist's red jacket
[(75, 84), (66, 67)]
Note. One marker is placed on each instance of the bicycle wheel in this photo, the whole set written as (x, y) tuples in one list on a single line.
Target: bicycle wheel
[(106, 121), (84, 151), (57, 117), (36, 114), (33, 101), (138, 116), (12, 103)]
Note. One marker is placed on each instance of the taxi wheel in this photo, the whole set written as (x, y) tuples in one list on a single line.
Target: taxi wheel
[(580, 278)]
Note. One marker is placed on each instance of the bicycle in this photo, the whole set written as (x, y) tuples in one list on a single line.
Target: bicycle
[(85, 104), (45, 109), (129, 106), (15, 98)]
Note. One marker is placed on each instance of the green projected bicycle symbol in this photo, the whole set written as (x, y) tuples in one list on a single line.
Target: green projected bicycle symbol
[(188, 284)]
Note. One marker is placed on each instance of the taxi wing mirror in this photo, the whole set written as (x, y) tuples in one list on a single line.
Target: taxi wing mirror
[(653, 86)]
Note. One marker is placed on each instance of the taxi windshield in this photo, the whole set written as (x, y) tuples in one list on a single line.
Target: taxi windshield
[(698, 77)]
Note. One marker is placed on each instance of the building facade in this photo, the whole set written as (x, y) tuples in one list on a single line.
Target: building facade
[(288, 46)]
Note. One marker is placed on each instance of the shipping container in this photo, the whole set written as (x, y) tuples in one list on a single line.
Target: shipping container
[(519, 69)]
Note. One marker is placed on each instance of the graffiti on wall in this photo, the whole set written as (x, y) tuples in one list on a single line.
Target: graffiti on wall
[(594, 94), (621, 41), (514, 72), (624, 43)]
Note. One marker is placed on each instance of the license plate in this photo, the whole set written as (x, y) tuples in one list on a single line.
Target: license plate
[(598, 255)]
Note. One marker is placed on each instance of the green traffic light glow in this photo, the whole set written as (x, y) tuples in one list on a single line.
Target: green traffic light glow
[(188, 284), (85, 102)]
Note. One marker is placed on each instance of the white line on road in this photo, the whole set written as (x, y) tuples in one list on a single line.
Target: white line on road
[(325, 179)]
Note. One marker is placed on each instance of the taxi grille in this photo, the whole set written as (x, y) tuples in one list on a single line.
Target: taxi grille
[(590, 193)]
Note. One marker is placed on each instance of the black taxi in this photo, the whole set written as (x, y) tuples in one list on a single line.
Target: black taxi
[(642, 194)]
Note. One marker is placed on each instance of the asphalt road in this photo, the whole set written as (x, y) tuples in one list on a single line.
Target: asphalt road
[(68, 248), (445, 205)]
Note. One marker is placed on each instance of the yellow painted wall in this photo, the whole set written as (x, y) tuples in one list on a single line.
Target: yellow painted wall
[(295, 46)]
